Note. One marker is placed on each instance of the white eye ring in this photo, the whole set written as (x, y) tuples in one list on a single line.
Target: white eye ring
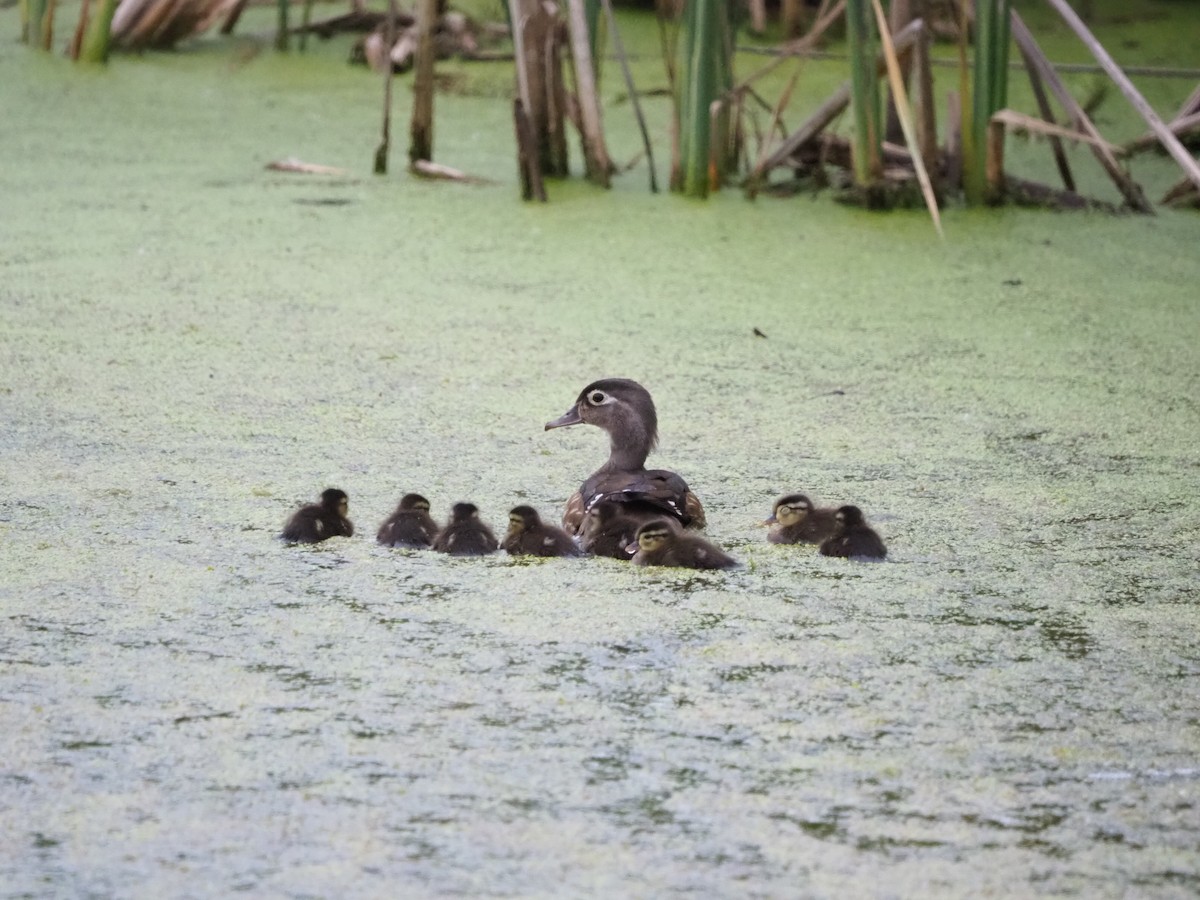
[(596, 398)]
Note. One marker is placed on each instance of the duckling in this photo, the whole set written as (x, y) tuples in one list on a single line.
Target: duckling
[(795, 521), (661, 542), (317, 522), (625, 410), (528, 535), (607, 531), (410, 525), (853, 537), (465, 534)]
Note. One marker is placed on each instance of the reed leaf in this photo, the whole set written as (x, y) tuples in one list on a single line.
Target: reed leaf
[(97, 36), (905, 117), (705, 76)]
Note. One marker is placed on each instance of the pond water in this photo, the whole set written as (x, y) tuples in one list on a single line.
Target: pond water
[(192, 346)]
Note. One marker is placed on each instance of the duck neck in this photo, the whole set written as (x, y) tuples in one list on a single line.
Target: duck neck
[(629, 445)]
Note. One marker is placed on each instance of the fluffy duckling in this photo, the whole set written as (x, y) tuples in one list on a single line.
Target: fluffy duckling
[(465, 534), (317, 522), (794, 520), (661, 542), (528, 535), (625, 410), (410, 525), (607, 531), (853, 537)]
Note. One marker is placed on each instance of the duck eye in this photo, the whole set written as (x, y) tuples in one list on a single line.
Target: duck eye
[(597, 397)]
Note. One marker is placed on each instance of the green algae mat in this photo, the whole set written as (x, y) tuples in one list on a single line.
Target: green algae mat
[(192, 345)]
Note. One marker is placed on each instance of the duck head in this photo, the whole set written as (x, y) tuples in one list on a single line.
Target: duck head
[(626, 411)]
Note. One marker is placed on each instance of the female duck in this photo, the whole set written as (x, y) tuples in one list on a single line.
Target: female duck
[(625, 410), (410, 525), (317, 522), (853, 537)]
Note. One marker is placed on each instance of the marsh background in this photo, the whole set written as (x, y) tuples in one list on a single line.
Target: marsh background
[(193, 345)]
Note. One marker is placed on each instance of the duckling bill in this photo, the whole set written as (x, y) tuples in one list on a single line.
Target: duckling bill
[(794, 520), (661, 542), (410, 525), (625, 410), (528, 535), (853, 537), (465, 534), (318, 522)]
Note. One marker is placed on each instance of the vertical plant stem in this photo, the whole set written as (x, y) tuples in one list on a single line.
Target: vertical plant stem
[(282, 40), (421, 132), (864, 94), (982, 95), (305, 21), (619, 46), (596, 159), (94, 47), (385, 142), (80, 29)]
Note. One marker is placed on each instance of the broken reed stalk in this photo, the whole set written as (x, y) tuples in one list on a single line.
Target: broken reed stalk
[(1180, 153), (1043, 102), (1129, 189), (905, 117), (1179, 126), (231, 19), (833, 107), (597, 163), (900, 13), (76, 45), (421, 130), (801, 46), (864, 95), (385, 141), (623, 59)]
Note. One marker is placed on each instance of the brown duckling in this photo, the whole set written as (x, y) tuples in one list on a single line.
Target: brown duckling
[(410, 525), (607, 531), (528, 535), (795, 521), (625, 410), (853, 537), (661, 542), (317, 522), (465, 534)]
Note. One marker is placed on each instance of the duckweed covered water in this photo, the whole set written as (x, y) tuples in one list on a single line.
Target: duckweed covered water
[(192, 346)]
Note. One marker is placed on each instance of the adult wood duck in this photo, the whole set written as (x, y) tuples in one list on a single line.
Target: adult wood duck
[(317, 522), (410, 525), (661, 542), (794, 520), (528, 535), (626, 411), (465, 534), (607, 531), (853, 537)]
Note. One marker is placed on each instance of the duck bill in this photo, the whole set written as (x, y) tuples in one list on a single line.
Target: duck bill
[(570, 417), (770, 521)]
